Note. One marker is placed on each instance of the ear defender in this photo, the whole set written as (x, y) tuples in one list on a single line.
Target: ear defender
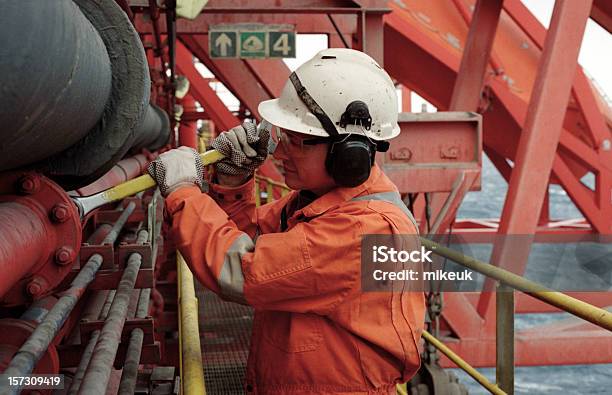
[(350, 157), (350, 161)]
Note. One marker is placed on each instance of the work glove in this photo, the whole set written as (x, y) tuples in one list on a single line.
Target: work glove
[(177, 168), (244, 148)]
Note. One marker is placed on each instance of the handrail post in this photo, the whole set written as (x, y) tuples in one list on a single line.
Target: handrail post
[(504, 368)]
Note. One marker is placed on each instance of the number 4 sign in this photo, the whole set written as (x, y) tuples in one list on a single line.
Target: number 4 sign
[(282, 44), (251, 41)]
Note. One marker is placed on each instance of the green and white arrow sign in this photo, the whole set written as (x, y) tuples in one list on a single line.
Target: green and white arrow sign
[(244, 40), (222, 44)]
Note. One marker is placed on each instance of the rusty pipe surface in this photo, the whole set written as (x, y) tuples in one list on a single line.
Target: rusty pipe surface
[(101, 363), (97, 312), (132, 357), (20, 250), (32, 350), (28, 355)]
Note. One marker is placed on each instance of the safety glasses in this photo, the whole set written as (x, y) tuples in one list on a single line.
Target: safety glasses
[(291, 142)]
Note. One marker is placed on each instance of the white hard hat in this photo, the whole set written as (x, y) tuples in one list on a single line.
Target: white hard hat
[(335, 78)]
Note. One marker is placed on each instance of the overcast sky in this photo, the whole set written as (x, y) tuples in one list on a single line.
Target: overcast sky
[(596, 51)]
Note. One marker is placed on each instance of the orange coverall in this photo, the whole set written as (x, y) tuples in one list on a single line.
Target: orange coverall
[(314, 331)]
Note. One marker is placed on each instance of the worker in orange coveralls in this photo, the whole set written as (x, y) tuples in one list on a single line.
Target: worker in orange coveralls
[(297, 260)]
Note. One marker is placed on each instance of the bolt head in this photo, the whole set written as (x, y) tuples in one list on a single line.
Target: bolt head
[(35, 287), (64, 255), (60, 213), (29, 184)]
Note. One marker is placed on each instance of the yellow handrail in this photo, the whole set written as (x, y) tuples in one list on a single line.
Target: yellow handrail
[(494, 389), (593, 314), (192, 370), (270, 185)]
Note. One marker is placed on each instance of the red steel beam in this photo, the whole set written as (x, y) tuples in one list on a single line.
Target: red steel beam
[(469, 83), (594, 119), (540, 136), (304, 23), (430, 70), (202, 92), (583, 91), (370, 36), (476, 56), (602, 13), (233, 73), (213, 106), (546, 347), (271, 74)]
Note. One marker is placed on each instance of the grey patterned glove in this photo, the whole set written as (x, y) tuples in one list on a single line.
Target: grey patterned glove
[(177, 168), (244, 148)]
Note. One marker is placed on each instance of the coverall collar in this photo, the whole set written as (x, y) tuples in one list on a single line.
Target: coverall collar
[(337, 196)]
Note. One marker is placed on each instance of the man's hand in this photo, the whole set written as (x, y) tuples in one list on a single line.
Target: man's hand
[(177, 168), (244, 150)]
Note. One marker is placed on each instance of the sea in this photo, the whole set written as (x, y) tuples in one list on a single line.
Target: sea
[(569, 379)]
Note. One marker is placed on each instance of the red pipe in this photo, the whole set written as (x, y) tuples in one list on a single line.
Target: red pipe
[(123, 171), (188, 130), (23, 242)]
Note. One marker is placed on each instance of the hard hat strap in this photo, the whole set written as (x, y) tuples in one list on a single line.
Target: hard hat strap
[(312, 105), (359, 110)]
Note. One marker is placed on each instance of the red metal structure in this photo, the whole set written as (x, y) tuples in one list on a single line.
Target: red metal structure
[(504, 86), (488, 60)]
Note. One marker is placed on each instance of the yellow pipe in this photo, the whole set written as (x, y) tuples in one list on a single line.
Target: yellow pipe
[(595, 315), (476, 375), (192, 369), (269, 193)]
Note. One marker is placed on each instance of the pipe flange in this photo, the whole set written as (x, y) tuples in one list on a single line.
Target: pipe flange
[(54, 208), (92, 156), (15, 332)]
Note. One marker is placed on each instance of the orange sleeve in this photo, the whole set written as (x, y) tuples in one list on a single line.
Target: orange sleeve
[(238, 202), (302, 269), (310, 268)]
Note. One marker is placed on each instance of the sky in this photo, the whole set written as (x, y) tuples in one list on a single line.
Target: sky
[(595, 56)]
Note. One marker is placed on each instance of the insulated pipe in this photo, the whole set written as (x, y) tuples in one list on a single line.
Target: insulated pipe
[(20, 250), (55, 75), (75, 90), (154, 131)]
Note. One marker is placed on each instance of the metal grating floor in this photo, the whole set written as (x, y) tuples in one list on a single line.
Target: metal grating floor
[(225, 332)]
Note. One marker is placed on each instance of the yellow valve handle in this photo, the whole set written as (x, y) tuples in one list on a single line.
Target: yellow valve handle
[(145, 182)]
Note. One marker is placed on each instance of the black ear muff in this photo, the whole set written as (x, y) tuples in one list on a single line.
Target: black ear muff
[(349, 162), (350, 157)]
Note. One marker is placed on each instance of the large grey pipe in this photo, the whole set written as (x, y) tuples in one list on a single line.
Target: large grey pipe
[(75, 89), (55, 79)]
